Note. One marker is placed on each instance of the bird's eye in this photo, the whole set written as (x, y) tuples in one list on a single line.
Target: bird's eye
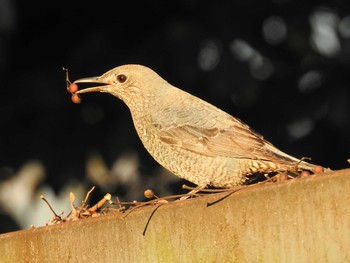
[(121, 78)]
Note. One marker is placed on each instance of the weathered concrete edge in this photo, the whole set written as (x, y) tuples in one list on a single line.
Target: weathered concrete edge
[(304, 220)]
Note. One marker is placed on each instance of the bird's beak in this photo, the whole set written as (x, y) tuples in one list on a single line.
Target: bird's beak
[(98, 80)]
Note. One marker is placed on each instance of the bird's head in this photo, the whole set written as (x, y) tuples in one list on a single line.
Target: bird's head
[(133, 84)]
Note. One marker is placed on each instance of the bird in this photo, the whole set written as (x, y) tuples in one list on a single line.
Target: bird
[(190, 137)]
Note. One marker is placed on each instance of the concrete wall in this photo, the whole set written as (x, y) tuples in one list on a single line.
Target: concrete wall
[(303, 220)]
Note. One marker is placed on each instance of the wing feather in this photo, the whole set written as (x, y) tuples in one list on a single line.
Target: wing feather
[(207, 130), (196, 125)]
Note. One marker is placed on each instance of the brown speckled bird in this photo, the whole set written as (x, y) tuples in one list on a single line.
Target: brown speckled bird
[(190, 137)]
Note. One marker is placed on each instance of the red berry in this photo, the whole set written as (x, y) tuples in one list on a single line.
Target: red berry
[(148, 193), (75, 98), (304, 174), (73, 88), (318, 169), (281, 177)]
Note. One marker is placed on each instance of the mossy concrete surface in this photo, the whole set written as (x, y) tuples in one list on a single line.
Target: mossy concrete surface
[(301, 220)]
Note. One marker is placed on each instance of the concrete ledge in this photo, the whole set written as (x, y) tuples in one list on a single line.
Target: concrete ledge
[(303, 220)]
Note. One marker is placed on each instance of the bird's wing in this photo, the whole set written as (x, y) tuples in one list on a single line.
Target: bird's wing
[(209, 131), (233, 143)]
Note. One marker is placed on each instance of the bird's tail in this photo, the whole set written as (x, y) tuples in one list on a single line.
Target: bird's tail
[(300, 164)]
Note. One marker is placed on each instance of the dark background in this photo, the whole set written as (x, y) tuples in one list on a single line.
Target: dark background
[(271, 63)]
